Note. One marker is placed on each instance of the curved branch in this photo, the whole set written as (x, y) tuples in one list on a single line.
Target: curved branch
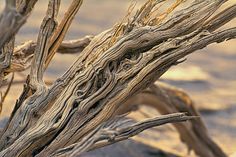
[(167, 99), (115, 130), (116, 65)]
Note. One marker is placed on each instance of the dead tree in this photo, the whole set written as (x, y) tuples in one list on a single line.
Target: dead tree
[(84, 109)]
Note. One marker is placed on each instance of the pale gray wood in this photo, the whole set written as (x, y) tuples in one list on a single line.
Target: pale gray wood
[(115, 66)]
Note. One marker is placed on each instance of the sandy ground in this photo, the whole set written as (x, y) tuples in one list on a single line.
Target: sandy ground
[(208, 75)]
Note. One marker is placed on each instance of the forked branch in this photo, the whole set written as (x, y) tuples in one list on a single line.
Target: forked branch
[(115, 66)]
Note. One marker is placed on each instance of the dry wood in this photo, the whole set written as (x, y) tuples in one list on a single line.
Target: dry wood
[(115, 130), (167, 99), (11, 19), (23, 54), (115, 66)]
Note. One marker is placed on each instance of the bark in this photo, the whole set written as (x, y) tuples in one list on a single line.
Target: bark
[(115, 66)]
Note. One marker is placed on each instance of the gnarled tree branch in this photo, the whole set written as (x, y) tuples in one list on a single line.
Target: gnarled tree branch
[(115, 130), (167, 99), (115, 66)]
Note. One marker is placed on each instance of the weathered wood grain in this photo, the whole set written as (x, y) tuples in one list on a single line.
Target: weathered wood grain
[(167, 99), (115, 66), (12, 18), (115, 130)]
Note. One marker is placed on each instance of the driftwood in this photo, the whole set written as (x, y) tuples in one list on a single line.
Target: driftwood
[(78, 111), (167, 99)]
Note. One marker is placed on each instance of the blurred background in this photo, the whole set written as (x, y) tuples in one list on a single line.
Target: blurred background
[(208, 75)]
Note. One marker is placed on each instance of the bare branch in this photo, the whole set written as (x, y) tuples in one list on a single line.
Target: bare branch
[(41, 51), (115, 130), (116, 65), (221, 18), (63, 27), (167, 99), (25, 7), (12, 18), (5, 58), (74, 46), (6, 92), (10, 22)]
